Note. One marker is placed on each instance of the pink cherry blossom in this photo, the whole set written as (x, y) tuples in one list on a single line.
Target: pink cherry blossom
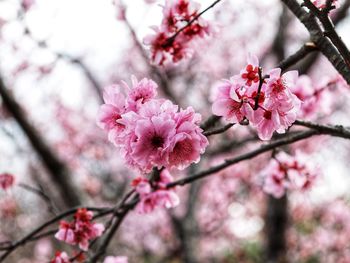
[(80, 231), (141, 92), (269, 105), (156, 195), (110, 112), (151, 132), (227, 104), (276, 181), (154, 138), (176, 15), (6, 180), (288, 172), (322, 3)]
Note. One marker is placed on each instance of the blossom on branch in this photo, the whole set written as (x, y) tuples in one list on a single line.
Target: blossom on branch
[(287, 172), (81, 230), (175, 38), (267, 103), (151, 132), (155, 194)]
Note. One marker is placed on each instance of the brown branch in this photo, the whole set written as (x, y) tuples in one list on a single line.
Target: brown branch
[(41, 193), (218, 130), (329, 29), (337, 131), (323, 43), (301, 53)]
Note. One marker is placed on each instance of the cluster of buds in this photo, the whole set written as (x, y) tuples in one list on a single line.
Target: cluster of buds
[(180, 28)]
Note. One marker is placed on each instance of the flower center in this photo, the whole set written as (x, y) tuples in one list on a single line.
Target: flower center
[(157, 141), (268, 115)]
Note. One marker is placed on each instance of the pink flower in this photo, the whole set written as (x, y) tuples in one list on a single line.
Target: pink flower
[(111, 259), (156, 195), (164, 48), (151, 132), (276, 181), (140, 93), (250, 74), (154, 138), (60, 257), (188, 143), (6, 180), (80, 231), (270, 107), (227, 103), (288, 172)]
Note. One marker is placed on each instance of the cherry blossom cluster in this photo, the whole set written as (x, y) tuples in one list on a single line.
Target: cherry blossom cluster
[(81, 230), (6, 180), (155, 194), (150, 132), (177, 15), (287, 172), (266, 101), (320, 4)]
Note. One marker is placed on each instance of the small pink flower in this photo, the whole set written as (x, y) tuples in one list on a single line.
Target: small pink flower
[(110, 112), (288, 172), (6, 180), (141, 92), (176, 14), (157, 195), (153, 140), (227, 103), (80, 231), (250, 74)]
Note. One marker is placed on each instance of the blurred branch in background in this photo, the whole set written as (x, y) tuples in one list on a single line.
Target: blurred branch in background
[(59, 172)]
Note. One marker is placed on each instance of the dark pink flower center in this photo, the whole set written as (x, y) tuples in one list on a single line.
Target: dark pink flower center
[(251, 74), (268, 115), (278, 86), (157, 141)]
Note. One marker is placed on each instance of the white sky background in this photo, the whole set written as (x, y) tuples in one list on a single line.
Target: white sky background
[(79, 27)]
